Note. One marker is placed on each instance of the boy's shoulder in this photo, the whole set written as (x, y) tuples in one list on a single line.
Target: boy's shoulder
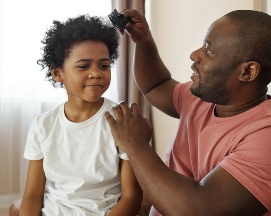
[(50, 114), (109, 103)]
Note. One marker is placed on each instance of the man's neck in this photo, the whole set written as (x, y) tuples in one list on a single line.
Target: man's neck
[(235, 109)]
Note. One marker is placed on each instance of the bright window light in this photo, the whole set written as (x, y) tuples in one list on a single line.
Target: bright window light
[(22, 27)]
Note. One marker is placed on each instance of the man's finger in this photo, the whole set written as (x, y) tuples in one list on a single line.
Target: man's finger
[(135, 109), (121, 110), (124, 108), (110, 119), (131, 13)]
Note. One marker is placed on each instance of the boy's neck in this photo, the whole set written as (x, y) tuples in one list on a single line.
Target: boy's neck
[(79, 112)]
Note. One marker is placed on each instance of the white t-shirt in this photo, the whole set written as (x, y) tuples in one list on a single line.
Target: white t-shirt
[(80, 161)]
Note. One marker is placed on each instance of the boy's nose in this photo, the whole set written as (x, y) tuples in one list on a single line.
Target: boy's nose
[(95, 74)]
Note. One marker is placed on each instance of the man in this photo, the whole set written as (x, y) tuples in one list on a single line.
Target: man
[(219, 163)]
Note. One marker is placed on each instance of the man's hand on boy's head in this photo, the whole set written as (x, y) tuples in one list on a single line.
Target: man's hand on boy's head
[(138, 29), (136, 25), (118, 20), (129, 128)]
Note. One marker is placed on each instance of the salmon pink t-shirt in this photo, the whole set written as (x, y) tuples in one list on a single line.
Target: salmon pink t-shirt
[(240, 144)]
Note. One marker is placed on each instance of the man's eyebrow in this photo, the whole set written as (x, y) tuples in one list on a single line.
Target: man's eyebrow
[(209, 43), (205, 40)]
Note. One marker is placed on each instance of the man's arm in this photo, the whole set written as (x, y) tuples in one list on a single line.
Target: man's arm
[(151, 75), (171, 193), (131, 193), (32, 201), (145, 206)]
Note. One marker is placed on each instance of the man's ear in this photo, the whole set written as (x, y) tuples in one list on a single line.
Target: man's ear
[(56, 74), (250, 71)]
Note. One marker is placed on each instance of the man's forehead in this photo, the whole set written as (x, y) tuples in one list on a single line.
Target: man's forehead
[(220, 30)]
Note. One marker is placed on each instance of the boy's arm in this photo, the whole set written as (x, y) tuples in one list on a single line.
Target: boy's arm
[(34, 191), (131, 196)]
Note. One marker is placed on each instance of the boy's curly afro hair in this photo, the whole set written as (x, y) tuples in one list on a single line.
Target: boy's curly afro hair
[(62, 36)]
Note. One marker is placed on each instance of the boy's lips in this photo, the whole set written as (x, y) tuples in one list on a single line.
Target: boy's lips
[(93, 86)]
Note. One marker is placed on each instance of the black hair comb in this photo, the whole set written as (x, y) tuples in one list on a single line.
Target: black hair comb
[(118, 19)]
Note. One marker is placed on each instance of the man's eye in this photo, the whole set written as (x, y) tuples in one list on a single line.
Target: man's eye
[(207, 51)]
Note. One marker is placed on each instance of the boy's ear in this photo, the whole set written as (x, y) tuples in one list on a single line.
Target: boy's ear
[(250, 71), (56, 74)]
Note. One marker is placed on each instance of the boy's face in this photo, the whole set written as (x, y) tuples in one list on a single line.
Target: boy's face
[(86, 72)]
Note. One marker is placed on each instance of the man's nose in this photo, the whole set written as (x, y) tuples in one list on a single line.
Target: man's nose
[(195, 56)]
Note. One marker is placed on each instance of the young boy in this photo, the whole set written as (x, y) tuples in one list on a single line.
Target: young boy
[(75, 167)]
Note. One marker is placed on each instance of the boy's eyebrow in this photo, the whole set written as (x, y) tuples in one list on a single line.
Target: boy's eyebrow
[(103, 59), (82, 60)]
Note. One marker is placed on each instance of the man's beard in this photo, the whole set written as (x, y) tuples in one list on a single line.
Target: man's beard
[(217, 94)]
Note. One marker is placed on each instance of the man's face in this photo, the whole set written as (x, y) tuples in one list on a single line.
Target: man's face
[(215, 66)]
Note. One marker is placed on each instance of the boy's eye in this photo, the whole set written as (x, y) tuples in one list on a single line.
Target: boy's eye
[(104, 66), (83, 66)]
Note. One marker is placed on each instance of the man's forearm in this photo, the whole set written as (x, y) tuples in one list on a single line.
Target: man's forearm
[(166, 194), (148, 68), (125, 207)]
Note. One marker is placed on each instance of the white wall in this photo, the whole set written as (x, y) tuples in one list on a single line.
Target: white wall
[(178, 28), (267, 5)]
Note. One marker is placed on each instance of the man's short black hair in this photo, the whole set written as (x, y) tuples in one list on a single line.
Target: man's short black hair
[(253, 29)]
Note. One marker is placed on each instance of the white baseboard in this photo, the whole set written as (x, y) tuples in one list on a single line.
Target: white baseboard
[(6, 200)]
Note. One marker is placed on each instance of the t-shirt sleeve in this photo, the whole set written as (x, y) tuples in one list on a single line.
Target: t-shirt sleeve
[(122, 154), (32, 149), (250, 164), (180, 93)]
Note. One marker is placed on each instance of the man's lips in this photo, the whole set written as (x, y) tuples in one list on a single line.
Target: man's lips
[(195, 69)]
